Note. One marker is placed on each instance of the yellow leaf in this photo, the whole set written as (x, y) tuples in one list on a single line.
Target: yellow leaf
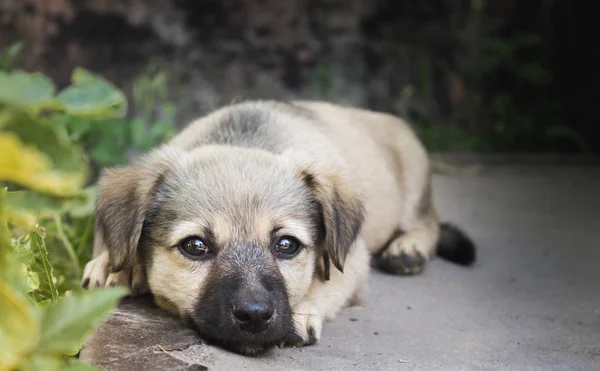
[(30, 168), (19, 327), (21, 219)]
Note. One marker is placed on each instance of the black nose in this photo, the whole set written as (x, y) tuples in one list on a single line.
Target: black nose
[(253, 316)]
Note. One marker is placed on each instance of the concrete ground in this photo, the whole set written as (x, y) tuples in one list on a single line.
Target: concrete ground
[(532, 301)]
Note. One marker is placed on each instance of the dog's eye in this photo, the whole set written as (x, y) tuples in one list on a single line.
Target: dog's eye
[(287, 247), (194, 248)]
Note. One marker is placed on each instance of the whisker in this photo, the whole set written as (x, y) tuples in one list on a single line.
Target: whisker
[(302, 333)]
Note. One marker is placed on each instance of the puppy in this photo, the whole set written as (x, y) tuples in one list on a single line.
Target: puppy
[(258, 221)]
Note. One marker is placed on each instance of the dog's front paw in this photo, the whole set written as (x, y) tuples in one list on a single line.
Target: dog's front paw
[(406, 255), (308, 323), (97, 274)]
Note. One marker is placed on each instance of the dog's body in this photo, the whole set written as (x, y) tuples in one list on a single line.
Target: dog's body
[(247, 207)]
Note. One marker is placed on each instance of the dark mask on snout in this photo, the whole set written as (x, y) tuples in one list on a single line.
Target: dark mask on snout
[(244, 305)]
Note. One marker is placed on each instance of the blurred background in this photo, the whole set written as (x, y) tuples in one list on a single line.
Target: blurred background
[(471, 75)]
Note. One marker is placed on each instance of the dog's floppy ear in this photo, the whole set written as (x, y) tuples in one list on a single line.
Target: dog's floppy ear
[(342, 213), (124, 198)]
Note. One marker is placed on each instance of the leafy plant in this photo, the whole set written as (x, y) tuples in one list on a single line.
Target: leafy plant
[(11, 57), (44, 316), (450, 138), (113, 140), (321, 82), (518, 66)]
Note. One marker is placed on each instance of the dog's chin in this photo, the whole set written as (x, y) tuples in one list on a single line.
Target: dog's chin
[(251, 350), (246, 348), (243, 343)]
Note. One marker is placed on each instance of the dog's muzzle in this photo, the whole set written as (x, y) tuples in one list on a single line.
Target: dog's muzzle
[(253, 315), (248, 314)]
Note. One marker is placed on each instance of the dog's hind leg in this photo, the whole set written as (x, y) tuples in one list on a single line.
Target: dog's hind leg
[(408, 251), (415, 240)]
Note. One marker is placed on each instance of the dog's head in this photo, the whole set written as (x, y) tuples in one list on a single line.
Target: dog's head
[(230, 237)]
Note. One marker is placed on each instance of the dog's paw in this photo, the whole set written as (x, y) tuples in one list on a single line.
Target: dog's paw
[(406, 255), (97, 274), (308, 324)]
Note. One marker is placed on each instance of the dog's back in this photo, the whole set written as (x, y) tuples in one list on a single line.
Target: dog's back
[(383, 157)]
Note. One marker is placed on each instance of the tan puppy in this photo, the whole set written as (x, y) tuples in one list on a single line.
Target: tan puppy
[(233, 224)]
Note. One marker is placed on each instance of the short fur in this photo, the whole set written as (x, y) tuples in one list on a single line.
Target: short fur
[(347, 183)]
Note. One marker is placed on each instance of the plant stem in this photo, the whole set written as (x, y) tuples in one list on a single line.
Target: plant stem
[(86, 235), (67, 244)]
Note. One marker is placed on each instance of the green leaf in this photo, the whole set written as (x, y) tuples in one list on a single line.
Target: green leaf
[(38, 204), (22, 250), (85, 205), (159, 132), (21, 219), (18, 317), (92, 95), (108, 153), (29, 91), (10, 267), (41, 362), (74, 364), (450, 138), (162, 130), (66, 324), (75, 126), (47, 137), (42, 267), (43, 206), (11, 56), (31, 251), (138, 131), (14, 50), (33, 281)]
